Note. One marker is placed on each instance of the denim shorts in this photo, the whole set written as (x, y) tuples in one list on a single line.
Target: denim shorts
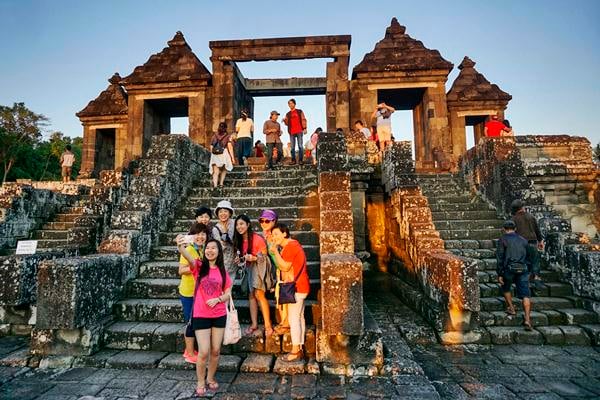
[(521, 282), (186, 305)]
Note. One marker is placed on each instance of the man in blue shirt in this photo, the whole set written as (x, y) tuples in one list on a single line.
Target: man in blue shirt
[(513, 267)]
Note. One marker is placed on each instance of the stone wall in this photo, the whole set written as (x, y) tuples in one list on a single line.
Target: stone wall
[(449, 284), (495, 167), (24, 208), (92, 284)]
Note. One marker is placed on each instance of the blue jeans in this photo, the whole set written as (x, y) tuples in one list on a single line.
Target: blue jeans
[(244, 148), (296, 139)]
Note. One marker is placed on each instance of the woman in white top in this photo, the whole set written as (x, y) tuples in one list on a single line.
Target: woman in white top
[(221, 155), (244, 127)]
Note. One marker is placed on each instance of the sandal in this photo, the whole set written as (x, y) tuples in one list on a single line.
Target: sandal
[(295, 356), (212, 385), (250, 330), (511, 312), (527, 326), (200, 391), (268, 332), (280, 330)]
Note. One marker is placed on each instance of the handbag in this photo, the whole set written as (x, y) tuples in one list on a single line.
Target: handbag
[(233, 331), (287, 290)]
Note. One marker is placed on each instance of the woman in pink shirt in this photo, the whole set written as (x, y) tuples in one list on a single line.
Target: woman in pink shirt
[(209, 312)]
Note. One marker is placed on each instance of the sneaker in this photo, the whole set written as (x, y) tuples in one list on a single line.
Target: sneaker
[(293, 162), (190, 358)]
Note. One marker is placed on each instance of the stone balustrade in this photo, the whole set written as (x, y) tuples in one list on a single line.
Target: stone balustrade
[(449, 283)]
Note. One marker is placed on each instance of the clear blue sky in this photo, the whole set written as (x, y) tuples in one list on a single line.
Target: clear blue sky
[(58, 55)]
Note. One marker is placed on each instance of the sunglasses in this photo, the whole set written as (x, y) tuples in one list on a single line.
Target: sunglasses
[(264, 221)]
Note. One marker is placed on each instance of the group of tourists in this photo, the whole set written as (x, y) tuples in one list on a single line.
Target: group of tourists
[(212, 254), (518, 260)]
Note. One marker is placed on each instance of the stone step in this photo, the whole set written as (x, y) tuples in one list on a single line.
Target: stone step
[(66, 217), (167, 288), (57, 225), (566, 199), (169, 310), (168, 337), (469, 224), (539, 303), (490, 276), (72, 210), (471, 244), (562, 187), (551, 335), (232, 192), (477, 206), (170, 253), (443, 193), (187, 211), (168, 269), (464, 215), (548, 289), (51, 234), (52, 244), (574, 209), (563, 178), (256, 202), (473, 234), (269, 182), (284, 172), (443, 199)]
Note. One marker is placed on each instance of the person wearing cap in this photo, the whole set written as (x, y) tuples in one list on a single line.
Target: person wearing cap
[(495, 128), (296, 124), (512, 267), (527, 227), (267, 221), (223, 231), (244, 128), (272, 131), (203, 215)]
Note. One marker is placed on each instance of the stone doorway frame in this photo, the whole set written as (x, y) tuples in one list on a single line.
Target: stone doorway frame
[(231, 91)]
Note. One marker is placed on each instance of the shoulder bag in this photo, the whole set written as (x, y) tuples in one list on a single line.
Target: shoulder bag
[(287, 290), (233, 331)]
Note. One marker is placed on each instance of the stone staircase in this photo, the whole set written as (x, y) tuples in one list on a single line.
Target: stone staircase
[(150, 316), (470, 228)]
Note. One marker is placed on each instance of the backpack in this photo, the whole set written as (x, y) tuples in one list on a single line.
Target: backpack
[(218, 148)]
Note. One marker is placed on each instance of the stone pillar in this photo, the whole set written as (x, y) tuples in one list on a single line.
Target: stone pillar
[(341, 271), (122, 147), (342, 106), (330, 96), (222, 96), (459, 134), (479, 131), (419, 132), (88, 153), (358, 214), (135, 130), (197, 123), (438, 131)]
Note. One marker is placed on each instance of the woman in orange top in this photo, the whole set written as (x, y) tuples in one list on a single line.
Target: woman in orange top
[(292, 263)]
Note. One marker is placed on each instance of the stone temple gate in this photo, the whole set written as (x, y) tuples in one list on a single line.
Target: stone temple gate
[(120, 122)]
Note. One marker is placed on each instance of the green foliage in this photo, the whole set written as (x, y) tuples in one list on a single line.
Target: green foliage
[(23, 153)]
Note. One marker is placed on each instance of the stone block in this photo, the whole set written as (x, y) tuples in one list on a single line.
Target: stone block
[(284, 367), (254, 342), (575, 335), (524, 337), (501, 334), (553, 335), (334, 182), (341, 294), (335, 201), (130, 359), (336, 242), (257, 363), (336, 221), (229, 363), (273, 344), (175, 361)]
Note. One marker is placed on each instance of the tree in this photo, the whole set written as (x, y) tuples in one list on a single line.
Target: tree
[(20, 129), (596, 153)]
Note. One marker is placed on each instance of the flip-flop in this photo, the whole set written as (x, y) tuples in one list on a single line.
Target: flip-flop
[(510, 312), (200, 392), (250, 330), (213, 385), (269, 332), (528, 326)]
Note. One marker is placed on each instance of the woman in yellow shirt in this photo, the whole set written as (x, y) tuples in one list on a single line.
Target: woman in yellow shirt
[(188, 284)]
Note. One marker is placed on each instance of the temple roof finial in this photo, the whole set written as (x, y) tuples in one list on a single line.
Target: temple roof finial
[(178, 40), (395, 28), (466, 63), (115, 79)]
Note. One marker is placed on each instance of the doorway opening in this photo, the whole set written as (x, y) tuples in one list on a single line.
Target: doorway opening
[(105, 150)]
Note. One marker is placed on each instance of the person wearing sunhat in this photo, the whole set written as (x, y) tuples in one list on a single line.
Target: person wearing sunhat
[(272, 131), (223, 231)]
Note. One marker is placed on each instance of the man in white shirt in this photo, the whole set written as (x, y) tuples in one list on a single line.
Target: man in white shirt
[(383, 113), (244, 128)]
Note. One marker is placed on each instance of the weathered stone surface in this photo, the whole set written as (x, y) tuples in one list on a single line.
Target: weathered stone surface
[(129, 359), (341, 278), (257, 363), (337, 243), (284, 367)]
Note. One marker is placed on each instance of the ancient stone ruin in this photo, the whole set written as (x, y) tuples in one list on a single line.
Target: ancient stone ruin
[(102, 291)]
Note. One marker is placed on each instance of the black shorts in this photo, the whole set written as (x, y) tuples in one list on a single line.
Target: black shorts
[(207, 323)]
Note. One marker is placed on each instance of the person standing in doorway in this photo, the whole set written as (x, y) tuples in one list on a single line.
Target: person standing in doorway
[(296, 123), (494, 128), (244, 128), (272, 131), (67, 158), (383, 114)]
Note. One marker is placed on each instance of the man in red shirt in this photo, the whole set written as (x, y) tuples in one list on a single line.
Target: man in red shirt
[(296, 123), (494, 128)]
